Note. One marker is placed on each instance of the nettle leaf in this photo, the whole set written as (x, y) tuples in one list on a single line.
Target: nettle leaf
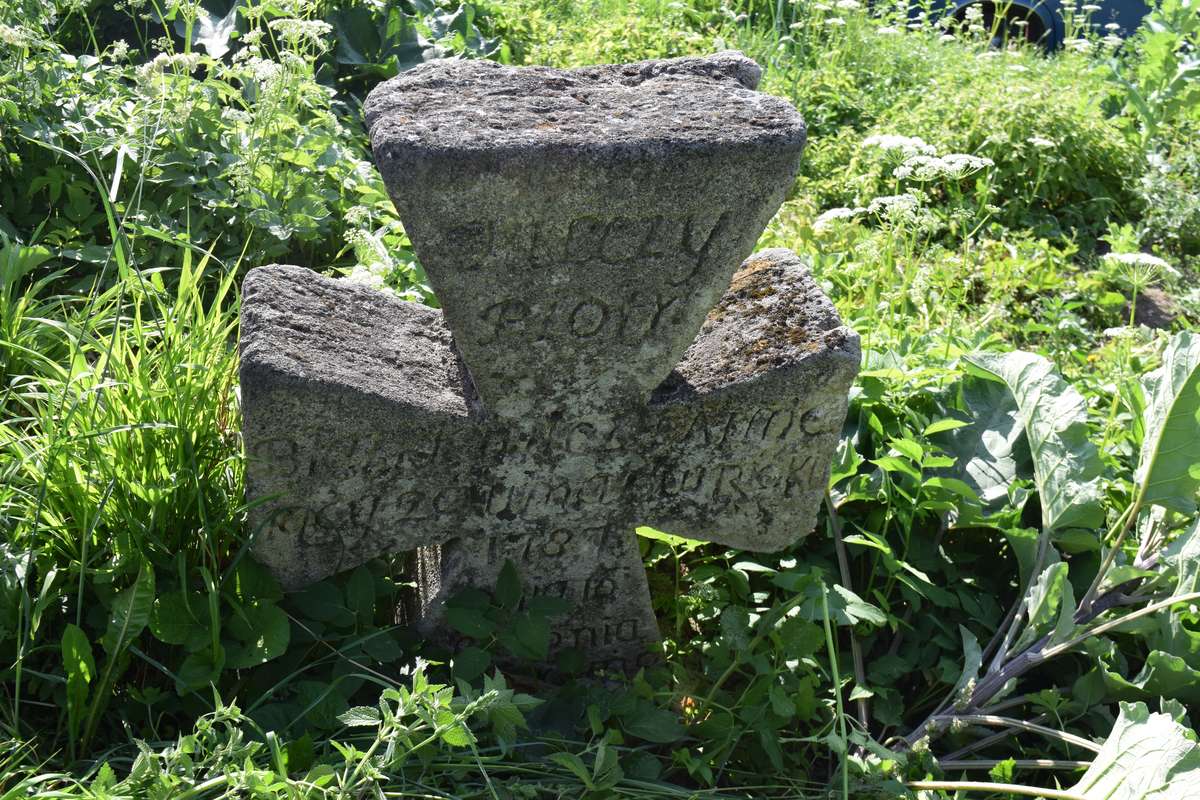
[(360, 717), (527, 638), (130, 612), (1146, 757), (469, 622), (574, 764), (1168, 471), (1053, 414)]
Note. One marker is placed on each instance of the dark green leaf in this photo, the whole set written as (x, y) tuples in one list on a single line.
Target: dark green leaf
[(200, 670), (470, 663), (262, 631), (508, 586), (469, 622), (130, 612), (176, 619), (655, 725), (360, 594)]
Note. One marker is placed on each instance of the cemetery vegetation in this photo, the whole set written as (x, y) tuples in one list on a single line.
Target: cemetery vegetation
[(1003, 584)]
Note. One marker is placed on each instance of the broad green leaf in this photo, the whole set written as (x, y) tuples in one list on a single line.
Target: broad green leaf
[(469, 622), (944, 425), (80, 667), (262, 632), (200, 670), (1146, 757), (527, 637), (455, 732), (1174, 630), (991, 451), (735, 627), (606, 770), (323, 601), (1053, 414), (1168, 472), (799, 638), (845, 607), (687, 545), (846, 462), (506, 718), (252, 581), (130, 612), (176, 619), (1163, 675)]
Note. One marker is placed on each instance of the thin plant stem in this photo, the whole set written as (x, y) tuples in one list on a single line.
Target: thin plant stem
[(1020, 724), (1018, 763), (994, 788), (837, 692), (860, 674)]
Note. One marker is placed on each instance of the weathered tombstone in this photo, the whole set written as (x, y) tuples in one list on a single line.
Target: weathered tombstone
[(592, 368)]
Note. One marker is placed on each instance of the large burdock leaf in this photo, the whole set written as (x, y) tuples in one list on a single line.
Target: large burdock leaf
[(1066, 465), (1146, 757), (990, 452), (1168, 472)]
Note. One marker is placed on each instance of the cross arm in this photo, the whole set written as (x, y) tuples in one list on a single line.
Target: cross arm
[(746, 426), (356, 423)]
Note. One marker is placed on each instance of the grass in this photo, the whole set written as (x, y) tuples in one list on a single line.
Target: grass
[(146, 654)]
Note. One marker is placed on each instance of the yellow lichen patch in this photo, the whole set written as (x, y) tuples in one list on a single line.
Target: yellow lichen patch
[(747, 275)]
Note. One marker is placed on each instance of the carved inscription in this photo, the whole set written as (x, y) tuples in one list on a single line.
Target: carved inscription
[(596, 635), (613, 241), (581, 319)]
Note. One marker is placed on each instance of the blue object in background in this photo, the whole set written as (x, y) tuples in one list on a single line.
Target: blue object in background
[(1043, 19)]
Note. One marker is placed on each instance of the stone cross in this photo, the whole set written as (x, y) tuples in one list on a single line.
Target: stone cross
[(592, 367)]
